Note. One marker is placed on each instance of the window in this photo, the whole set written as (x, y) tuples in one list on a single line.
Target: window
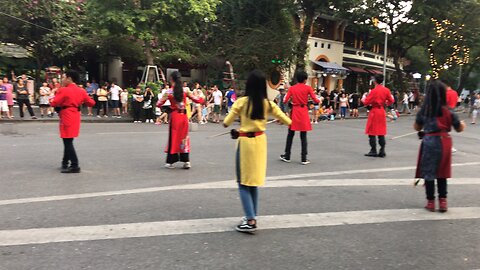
[(323, 45), (329, 46), (316, 44)]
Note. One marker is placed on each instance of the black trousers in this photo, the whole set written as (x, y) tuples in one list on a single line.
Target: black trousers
[(69, 154), (441, 186), (183, 157), (137, 111), (149, 114), (102, 105), (288, 146), (25, 102), (373, 143)]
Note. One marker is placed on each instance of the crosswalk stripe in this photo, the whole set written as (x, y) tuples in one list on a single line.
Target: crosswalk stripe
[(217, 225), (232, 184)]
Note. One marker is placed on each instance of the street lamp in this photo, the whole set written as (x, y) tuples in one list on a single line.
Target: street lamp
[(427, 78)]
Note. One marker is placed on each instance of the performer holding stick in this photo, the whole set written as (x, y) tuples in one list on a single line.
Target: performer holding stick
[(178, 147), (251, 154), (435, 157), (68, 101), (299, 94), (377, 119)]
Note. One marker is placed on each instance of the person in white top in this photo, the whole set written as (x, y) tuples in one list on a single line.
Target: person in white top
[(217, 102), (124, 100), (115, 99), (405, 103)]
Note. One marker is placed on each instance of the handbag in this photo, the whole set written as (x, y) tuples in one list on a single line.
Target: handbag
[(147, 104)]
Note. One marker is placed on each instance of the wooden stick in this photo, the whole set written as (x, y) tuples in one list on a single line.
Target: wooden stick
[(228, 132), (404, 135)]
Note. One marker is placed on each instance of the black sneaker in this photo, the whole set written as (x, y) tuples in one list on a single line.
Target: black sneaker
[(71, 170), (284, 158), (246, 228)]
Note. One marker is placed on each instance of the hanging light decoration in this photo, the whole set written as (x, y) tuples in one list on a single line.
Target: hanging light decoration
[(460, 54)]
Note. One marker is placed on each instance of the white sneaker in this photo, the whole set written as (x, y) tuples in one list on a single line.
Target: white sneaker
[(187, 165), (169, 166), (306, 162), (454, 150)]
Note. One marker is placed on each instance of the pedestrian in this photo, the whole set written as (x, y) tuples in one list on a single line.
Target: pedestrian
[(44, 100), (377, 120), (354, 104), (124, 101), (115, 91), (9, 88), (231, 97), (166, 106), (405, 103), (280, 97), (217, 104), (137, 105), (69, 100), (343, 101), (91, 93), (198, 107), (102, 96), (435, 156), (476, 108), (178, 147), (299, 94), (251, 153), (23, 98), (147, 105), (3, 101)]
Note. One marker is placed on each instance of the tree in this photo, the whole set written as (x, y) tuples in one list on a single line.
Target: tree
[(49, 29), (252, 34), (158, 25)]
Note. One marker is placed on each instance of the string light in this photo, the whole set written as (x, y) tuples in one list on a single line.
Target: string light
[(460, 53)]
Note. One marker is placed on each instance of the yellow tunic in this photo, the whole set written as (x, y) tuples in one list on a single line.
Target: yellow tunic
[(251, 157)]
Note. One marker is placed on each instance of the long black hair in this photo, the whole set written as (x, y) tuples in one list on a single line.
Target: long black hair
[(176, 77), (435, 99), (256, 91)]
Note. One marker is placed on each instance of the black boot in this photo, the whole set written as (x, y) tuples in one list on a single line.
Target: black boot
[(381, 141), (373, 147)]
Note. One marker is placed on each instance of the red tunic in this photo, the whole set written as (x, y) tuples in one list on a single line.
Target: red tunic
[(435, 155), (178, 140), (299, 94), (377, 119), (70, 98), (452, 98)]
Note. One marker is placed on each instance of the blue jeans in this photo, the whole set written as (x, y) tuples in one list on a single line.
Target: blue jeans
[(249, 198), (343, 112)]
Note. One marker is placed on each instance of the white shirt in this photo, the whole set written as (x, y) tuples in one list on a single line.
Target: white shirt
[(115, 92), (167, 103), (217, 97)]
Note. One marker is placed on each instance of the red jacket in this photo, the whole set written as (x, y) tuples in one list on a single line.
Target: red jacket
[(377, 118), (452, 98), (299, 94), (69, 99)]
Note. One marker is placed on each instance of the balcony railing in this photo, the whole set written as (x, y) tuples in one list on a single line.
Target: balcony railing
[(363, 57)]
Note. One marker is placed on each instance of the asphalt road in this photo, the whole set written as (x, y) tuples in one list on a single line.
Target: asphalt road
[(125, 211)]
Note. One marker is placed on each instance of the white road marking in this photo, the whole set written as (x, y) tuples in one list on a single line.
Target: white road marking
[(305, 175), (131, 132), (231, 184), (217, 225)]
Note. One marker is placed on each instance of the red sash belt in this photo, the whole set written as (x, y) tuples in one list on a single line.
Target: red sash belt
[(439, 134), (251, 134)]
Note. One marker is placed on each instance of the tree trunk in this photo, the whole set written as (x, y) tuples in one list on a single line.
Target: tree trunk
[(148, 52), (398, 78), (467, 70), (302, 44)]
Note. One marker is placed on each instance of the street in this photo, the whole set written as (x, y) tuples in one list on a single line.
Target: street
[(126, 211)]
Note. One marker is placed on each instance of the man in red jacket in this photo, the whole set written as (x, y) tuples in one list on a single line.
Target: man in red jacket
[(299, 94), (452, 96), (377, 119), (68, 100)]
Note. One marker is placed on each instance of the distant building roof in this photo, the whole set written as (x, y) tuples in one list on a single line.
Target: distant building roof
[(13, 51)]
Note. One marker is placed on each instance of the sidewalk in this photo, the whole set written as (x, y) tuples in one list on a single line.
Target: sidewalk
[(46, 119)]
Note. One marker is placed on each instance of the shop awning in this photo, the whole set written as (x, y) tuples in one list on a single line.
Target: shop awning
[(375, 71), (357, 69), (331, 68)]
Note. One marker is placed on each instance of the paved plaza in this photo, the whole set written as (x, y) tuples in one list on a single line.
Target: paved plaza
[(125, 211)]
